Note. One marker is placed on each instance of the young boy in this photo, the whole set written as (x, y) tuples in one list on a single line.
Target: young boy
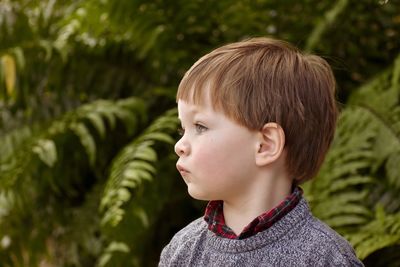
[(257, 117)]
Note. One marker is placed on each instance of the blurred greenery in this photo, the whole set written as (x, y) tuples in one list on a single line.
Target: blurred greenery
[(87, 120)]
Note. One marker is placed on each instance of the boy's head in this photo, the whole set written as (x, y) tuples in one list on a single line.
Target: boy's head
[(263, 80)]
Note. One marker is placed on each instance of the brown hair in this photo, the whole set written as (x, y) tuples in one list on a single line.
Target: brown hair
[(264, 80)]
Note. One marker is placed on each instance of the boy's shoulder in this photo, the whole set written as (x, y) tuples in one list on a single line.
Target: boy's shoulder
[(327, 243), (190, 232), (322, 245), (324, 233), (183, 241), (297, 239)]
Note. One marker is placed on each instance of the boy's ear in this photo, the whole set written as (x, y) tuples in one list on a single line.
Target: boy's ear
[(270, 145)]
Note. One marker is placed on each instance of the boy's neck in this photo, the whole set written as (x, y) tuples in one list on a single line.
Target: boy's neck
[(262, 197)]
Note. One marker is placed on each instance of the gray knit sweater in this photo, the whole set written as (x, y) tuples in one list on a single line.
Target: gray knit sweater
[(298, 239)]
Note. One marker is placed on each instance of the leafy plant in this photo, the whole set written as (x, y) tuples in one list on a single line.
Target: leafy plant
[(87, 171), (357, 191), (130, 169), (41, 152)]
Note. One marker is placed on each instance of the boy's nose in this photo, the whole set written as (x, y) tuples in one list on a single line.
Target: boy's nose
[(181, 148)]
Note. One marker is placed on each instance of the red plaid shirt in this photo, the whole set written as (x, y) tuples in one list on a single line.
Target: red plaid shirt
[(214, 216)]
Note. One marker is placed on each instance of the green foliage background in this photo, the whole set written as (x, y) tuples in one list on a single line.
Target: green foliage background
[(87, 121)]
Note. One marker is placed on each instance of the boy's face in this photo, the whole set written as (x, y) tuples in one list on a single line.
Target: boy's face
[(216, 154)]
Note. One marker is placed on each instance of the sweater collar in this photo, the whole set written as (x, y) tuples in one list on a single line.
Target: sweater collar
[(216, 221), (279, 231)]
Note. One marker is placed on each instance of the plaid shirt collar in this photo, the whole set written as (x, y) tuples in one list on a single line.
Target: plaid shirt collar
[(216, 223)]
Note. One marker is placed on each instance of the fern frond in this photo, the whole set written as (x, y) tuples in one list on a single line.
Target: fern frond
[(46, 150), (383, 231), (100, 114), (129, 111), (134, 165), (110, 250), (338, 195), (361, 173), (97, 115), (351, 150), (381, 98)]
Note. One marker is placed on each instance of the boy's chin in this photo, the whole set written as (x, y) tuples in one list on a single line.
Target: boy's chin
[(198, 195)]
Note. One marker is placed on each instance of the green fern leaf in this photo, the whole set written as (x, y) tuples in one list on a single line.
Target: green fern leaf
[(377, 234), (133, 166), (46, 150), (97, 122), (86, 140), (360, 173)]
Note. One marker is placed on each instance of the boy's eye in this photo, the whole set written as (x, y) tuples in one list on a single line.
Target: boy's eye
[(200, 128)]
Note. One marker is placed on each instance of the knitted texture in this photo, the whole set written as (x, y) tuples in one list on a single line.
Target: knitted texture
[(214, 216), (297, 239)]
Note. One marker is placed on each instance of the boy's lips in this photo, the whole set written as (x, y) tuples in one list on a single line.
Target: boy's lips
[(181, 169)]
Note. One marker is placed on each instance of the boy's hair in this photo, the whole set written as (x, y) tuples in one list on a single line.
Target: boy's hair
[(263, 80)]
